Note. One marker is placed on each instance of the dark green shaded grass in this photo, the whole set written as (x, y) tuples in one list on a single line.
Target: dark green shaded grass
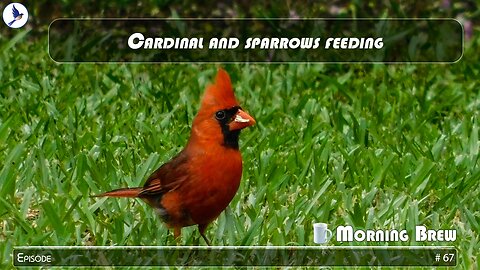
[(372, 146)]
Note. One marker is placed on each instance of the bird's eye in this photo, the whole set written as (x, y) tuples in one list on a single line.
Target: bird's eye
[(220, 115)]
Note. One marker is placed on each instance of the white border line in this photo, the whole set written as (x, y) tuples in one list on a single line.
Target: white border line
[(234, 247)]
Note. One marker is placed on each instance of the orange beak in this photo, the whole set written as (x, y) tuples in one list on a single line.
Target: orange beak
[(241, 120)]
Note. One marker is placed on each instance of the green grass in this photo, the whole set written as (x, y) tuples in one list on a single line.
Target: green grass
[(372, 146)]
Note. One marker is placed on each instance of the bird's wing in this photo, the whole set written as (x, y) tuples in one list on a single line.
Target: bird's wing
[(15, 12), (168, 177)]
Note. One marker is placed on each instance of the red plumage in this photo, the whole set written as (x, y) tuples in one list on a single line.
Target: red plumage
[(198, 184)]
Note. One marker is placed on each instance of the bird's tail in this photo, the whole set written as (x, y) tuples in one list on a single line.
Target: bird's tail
[(121, 193), (10, 23)]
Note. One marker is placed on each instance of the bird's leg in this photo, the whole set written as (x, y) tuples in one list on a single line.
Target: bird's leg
[(201, 229), (176, 234), (167, 239)]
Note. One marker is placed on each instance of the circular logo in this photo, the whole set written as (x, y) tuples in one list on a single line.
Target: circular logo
[(15, 15)]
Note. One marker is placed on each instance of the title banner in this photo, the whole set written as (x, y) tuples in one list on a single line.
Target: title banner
[(256, 40)]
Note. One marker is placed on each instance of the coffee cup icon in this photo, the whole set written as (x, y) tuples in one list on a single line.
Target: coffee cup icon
[(321, 233)]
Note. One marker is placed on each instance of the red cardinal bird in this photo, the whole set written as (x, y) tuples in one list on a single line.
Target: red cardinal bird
[(198, 184)]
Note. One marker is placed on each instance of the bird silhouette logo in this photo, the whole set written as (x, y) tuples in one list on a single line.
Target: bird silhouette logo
[(15, 15)]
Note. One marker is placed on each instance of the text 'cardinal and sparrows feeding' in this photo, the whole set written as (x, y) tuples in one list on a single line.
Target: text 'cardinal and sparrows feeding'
[(195, 186)]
